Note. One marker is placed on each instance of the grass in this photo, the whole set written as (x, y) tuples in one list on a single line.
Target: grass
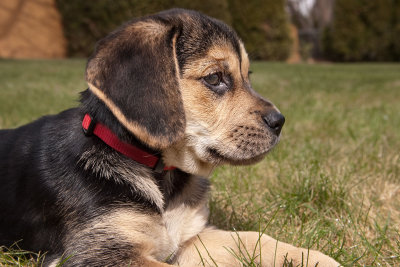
[(333, 182), (15, 256)]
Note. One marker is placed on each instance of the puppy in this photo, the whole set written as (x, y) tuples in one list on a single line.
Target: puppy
[(122, 179)]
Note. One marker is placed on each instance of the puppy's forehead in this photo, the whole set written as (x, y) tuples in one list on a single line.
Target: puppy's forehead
[(200, 35), (218, 58)]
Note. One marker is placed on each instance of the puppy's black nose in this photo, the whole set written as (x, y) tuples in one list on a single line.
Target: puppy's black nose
[(275, 121)]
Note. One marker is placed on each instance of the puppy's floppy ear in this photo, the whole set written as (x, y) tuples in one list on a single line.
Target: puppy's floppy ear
[(134, 71)]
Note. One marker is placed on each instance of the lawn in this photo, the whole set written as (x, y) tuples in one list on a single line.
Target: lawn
[(332, 183)]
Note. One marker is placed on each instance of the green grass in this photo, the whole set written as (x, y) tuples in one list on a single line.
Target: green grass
[(30, 89), (332, 183), (15, 256)]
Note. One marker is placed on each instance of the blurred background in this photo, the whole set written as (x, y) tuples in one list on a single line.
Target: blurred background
[(276, 30)]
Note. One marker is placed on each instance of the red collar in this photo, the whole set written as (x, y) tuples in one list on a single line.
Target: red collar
[(90, 127)]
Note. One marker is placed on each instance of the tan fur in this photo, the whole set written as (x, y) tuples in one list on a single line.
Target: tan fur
[(149, 229), (157, 238), (231, 123), (183, 222), (145, 232), (150, 29), (245, 62), (220, 247)]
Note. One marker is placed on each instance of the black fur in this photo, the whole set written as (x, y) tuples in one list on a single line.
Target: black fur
[(45, 191)]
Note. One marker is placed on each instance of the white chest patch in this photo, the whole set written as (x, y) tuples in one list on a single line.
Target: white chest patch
[(184, 222)]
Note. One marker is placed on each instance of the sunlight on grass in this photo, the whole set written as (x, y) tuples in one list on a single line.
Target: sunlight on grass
[(335, 176), (333, 182)]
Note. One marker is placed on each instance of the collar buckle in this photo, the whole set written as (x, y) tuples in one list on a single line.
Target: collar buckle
[(88, 125)]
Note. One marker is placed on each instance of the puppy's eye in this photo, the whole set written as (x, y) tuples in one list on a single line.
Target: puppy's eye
[(217, 82), (213, 79)]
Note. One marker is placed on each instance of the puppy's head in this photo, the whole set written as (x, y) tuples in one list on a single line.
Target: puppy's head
[(178, 80)]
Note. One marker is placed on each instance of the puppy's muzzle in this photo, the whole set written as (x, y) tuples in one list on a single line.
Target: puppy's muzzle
[(274, 121)]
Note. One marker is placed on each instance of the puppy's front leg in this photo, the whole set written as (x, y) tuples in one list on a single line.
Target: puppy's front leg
[(215, 247), (142, 262)]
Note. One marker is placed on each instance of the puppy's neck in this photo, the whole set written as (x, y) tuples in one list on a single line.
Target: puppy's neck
[(183, 157)]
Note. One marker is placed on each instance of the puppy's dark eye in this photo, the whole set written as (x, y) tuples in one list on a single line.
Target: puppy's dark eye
[(213, 79), (218, 82)]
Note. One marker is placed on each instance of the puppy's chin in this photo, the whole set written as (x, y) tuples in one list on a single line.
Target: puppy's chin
[(234, 150), (218, 158)]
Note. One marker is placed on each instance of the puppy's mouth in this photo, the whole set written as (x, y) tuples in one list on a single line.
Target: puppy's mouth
[(217, 157)]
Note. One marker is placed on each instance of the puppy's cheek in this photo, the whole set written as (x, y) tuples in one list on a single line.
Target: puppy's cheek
[(201, 148)]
